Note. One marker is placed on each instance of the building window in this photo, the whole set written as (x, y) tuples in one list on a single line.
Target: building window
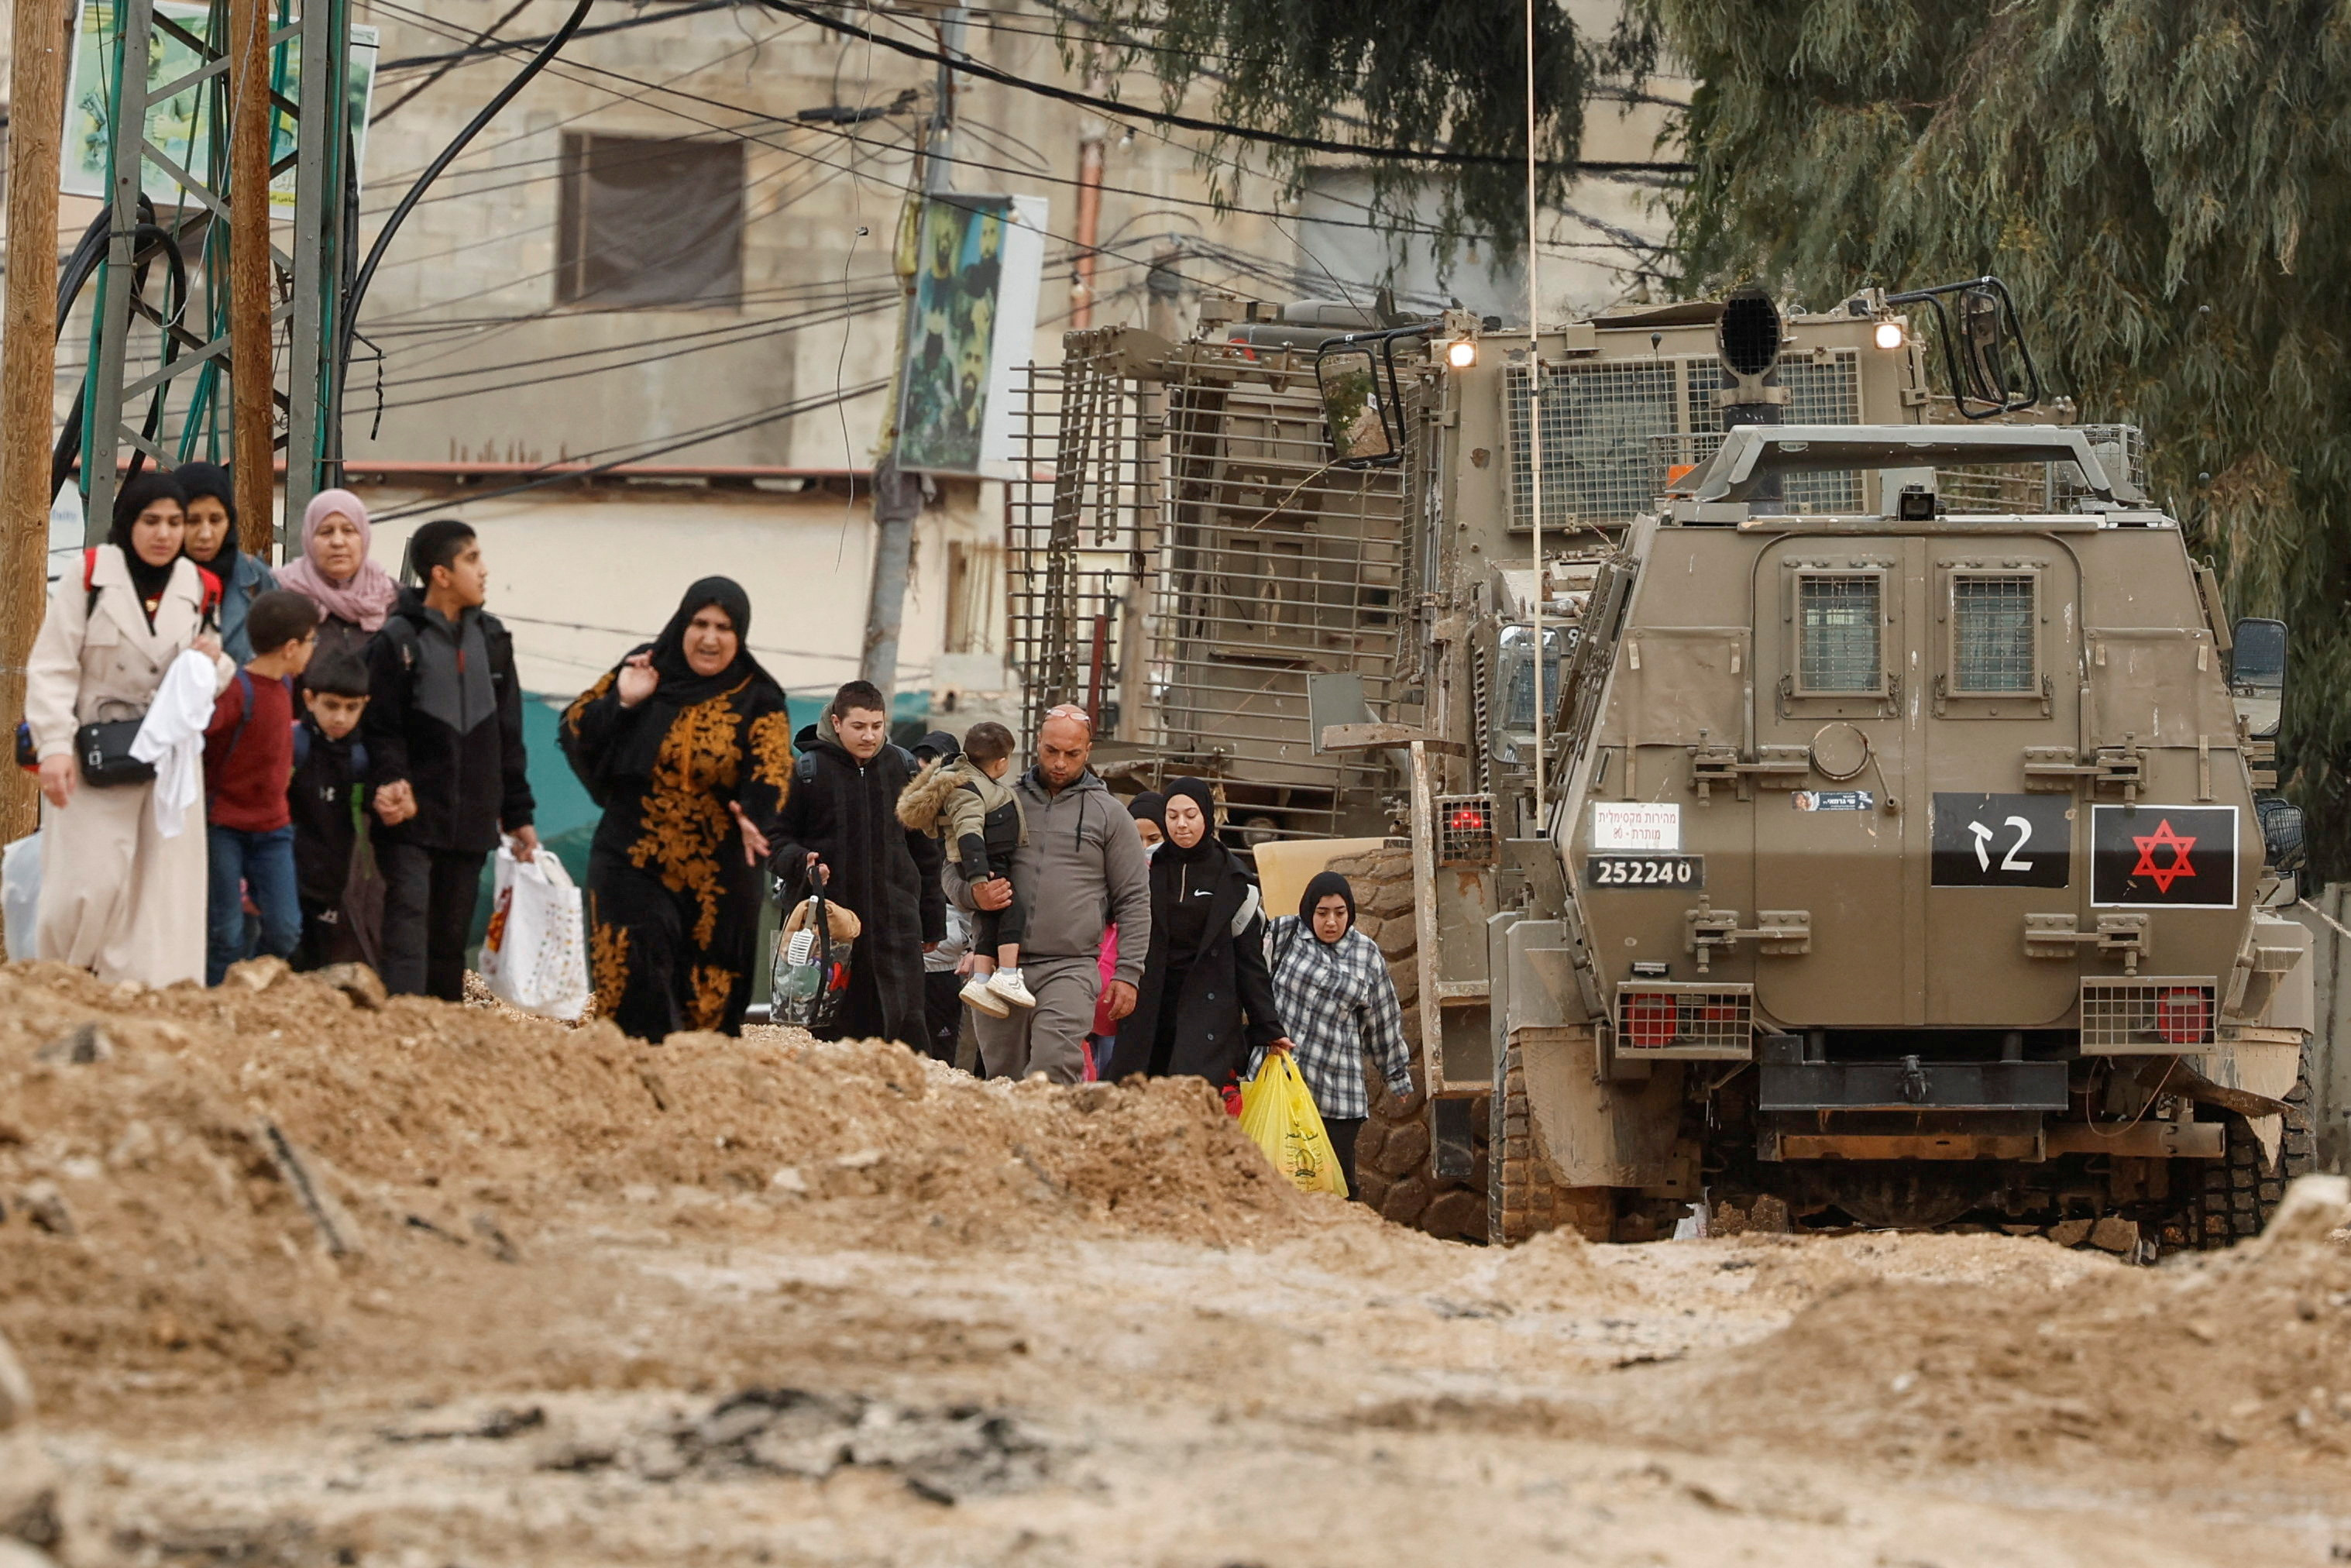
[(1837, 627), (1991, 634), (644, 222)]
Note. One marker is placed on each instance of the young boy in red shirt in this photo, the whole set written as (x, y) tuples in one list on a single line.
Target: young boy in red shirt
[(248, 758)]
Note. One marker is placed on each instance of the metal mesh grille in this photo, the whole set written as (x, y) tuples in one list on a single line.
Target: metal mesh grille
[(1179, 552), (2146, 1014), (1716, 1021), (1465, 830), (1993, 628), (2036, 489), (1837, 632), (2053, 488), (1601, 420), (1087, 496), (1597, 421), (1820, 391), (2118, 446)]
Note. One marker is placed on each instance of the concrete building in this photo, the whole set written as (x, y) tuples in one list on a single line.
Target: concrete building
[(690, 222), (672, 258)]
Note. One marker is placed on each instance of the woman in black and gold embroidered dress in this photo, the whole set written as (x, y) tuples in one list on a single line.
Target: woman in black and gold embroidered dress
[(686, 745)]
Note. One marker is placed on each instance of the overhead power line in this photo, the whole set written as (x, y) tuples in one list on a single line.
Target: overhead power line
[(1112, 107), (1617, 238), (563, 472), (446, 65), (695, 343), (486, 43)]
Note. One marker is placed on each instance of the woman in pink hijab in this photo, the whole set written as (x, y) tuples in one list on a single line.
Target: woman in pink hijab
[(351, 592)]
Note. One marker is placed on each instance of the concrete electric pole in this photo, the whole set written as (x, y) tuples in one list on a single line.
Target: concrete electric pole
[(897, 495), (36, 98)]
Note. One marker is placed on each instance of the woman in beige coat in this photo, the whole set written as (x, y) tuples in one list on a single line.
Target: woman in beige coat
[(118, 896)]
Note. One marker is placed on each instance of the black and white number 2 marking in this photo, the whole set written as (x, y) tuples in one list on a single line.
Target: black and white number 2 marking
[(2003, 840), (2008, 862)]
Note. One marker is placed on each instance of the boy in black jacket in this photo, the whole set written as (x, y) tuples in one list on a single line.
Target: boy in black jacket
[(324, 800), (444, 731)]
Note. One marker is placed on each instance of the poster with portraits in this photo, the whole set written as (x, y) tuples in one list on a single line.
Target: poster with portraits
[(969, 326)]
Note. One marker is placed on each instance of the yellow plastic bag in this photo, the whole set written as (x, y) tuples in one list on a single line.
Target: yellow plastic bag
[(1278, 1114)]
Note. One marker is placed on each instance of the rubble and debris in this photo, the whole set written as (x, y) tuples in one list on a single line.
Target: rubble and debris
[(496, 1425), (15, 1388), (356, 981), (1095, 1303), (945, 1456), (78, 1047), (45, 1205), (336, 1232), (241, 1136)]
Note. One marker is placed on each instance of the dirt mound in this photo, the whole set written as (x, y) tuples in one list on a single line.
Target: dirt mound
[(2246, 1353), (194, 1181)]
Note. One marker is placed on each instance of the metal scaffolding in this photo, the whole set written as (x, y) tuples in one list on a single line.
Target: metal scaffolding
[(1183, 554), (154, 394)]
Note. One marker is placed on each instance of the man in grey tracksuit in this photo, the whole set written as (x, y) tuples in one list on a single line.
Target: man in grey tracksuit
[(1085, 865)]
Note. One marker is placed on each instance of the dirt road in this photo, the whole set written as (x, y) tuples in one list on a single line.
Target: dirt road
[(303, 1280)]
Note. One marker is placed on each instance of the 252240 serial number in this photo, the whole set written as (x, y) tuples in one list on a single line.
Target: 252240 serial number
[(1644, 871)]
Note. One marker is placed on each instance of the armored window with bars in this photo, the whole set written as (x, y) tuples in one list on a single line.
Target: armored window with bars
[(1840, 623), (1993, 645)]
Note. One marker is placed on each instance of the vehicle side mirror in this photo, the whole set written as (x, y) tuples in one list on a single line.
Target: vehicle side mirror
[(2257, 674), (1985, 359), (1361, 406), (2282, 833)]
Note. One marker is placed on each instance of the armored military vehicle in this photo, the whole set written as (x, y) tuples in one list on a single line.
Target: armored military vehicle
[(1785, 780), (1887, 851)]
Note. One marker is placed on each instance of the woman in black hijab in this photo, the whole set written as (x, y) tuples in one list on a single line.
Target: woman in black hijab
[(1149, 810), (212, 545), (1206, 998), (686, 745), (150, 496)]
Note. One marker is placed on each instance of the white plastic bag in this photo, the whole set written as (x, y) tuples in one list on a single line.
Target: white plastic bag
[(20, 897), (535, 955)]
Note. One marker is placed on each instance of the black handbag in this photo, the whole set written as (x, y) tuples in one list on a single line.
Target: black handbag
[(104, 750)]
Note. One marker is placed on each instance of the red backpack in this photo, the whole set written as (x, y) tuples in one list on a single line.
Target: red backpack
[(208, 608)]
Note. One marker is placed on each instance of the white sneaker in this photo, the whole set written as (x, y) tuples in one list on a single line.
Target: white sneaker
[(978, 996), (1007, 984)]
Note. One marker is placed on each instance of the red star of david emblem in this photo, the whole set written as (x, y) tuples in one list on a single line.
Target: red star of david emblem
[(2163, 837)]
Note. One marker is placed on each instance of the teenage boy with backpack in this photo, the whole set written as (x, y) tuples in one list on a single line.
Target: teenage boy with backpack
[(444, 731), (326, 798), (249, 756)]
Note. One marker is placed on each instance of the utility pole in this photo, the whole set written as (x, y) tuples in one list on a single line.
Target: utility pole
[(252, 377), (28, 361), (1092, 138), (898, 497)]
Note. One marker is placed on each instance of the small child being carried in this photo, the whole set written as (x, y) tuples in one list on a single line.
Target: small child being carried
[(964, 802)]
